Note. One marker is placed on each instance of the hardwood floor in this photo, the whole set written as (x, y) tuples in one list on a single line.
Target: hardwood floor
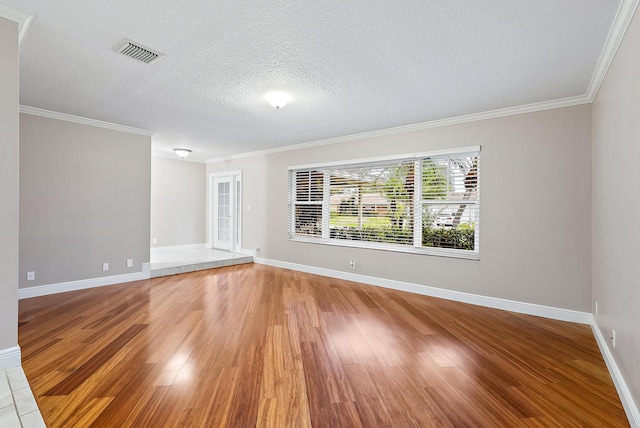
[(252, 345)]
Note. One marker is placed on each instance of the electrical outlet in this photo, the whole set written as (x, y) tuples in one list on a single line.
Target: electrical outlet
[(105, 266), (352, 264), (155, 241), (257, 251), (31, 276), (613, 338), (129, 262)]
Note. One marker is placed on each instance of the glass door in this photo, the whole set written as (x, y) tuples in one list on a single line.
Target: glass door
[(226, 212)]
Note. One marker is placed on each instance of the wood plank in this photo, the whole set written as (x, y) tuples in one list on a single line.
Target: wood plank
[(94, 363), (253, 345)]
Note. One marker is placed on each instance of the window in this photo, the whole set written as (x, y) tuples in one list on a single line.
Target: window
[(427, 203), (308, 202)]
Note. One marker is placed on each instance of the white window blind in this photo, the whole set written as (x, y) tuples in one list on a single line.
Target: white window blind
[(372, 202), (450, 202), (421, 203), (307, 203)]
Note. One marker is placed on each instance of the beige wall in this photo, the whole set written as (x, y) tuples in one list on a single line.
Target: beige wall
[(177, 202), (616, 204), (535, 244), (84, 200), (9, 175)]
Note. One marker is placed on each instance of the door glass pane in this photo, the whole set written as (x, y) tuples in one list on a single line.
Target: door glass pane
[(238, 212), (224, 210)]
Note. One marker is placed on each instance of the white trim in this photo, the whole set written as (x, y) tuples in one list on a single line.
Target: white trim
[(458, 296), (10, 357), (211, 220), (493, 114), (83, 120), (406, 156), (619, 27), (63, 287), (630, 407), (415, 246), (180, 247), (22, 17)]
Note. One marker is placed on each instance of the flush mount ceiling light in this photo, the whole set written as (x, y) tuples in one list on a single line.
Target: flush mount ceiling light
[(278, 99), (182, 153)]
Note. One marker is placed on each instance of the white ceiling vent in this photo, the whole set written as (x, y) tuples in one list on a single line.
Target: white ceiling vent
[(137, 51)]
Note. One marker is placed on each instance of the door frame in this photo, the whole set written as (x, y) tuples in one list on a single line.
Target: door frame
[(236, 176)]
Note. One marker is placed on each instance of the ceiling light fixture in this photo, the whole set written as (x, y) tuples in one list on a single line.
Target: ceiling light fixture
[(182, 153), (278, 99)]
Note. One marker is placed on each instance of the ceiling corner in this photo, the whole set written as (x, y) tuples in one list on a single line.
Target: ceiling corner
[(621, 22), (23, 18)]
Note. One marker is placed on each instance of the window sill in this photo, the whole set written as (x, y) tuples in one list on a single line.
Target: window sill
[(427, 251)]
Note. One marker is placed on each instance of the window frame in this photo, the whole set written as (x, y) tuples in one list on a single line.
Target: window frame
[(418, 203)]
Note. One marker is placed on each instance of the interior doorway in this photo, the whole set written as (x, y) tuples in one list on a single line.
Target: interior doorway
[(225, 211)]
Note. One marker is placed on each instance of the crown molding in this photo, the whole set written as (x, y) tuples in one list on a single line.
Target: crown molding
[(23, 18), (493, 114), (83, 120), (621, 22)]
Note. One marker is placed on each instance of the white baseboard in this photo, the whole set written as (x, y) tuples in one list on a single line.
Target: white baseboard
[(63, 287), (475, 299), (10, 357), (630, 407), (180, 247)]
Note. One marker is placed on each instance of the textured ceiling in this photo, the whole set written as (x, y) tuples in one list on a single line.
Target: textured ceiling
[(351, 66)]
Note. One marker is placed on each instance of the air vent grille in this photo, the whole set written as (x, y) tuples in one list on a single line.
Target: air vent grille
[(137, 51)]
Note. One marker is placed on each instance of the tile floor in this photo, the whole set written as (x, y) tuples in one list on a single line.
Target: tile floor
[(18, 408), (170, 261)]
